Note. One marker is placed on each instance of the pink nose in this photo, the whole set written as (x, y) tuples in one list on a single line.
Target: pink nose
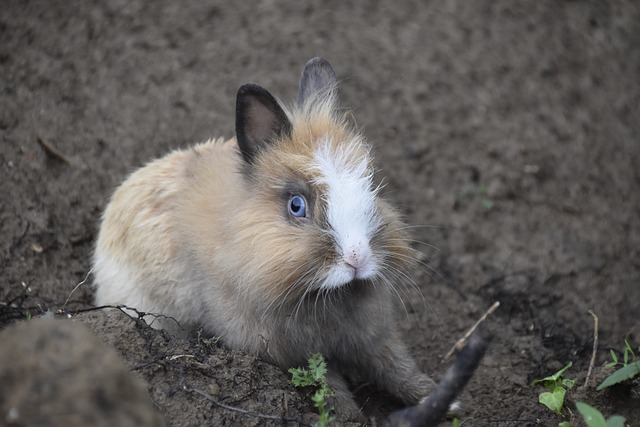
[(358, 257)]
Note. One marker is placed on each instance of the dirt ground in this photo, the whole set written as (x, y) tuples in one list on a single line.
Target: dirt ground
[(510, 129)]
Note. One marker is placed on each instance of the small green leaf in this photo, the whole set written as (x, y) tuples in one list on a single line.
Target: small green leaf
[(594, 417), (629, 349), (550, 381), (591, 415), (614, 357), (564, 424), (315, 376), (568, 383), (616, 421), (553, 399), (487, 204), (318, 367), (455, 423), (558, 374), (300, 377), (318, 397), (625, 373)]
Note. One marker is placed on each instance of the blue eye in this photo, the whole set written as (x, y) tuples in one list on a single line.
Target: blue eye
[(297, 206)]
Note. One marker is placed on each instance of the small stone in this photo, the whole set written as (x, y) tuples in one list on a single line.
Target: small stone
[(214, 389)]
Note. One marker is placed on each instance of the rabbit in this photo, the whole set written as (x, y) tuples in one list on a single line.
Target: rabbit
[(278, 241)]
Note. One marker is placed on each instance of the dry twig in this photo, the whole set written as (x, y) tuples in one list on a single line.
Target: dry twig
[(595, 347), (244, 411), (77, 286), (53, 151), (461, 342)]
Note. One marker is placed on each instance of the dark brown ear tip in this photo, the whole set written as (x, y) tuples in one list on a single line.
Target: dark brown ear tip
[(246, 88), (259, 120), (252, 89), (250, 92)]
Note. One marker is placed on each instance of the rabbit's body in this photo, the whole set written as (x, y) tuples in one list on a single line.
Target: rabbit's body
[(276, 241)]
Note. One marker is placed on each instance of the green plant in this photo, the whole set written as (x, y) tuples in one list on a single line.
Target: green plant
[(481, 191), (594, 418), (315, 376), (557, 386), (485, 201), (629, 370), (455, 423), (627, 355)]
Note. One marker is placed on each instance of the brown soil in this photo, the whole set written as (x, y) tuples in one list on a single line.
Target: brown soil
[(510, 129)]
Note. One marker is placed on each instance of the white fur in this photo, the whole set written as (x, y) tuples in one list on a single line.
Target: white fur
[(350, 210), (120, 278), (126, 287)]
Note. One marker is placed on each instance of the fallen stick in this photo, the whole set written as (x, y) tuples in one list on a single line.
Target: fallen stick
[(77, 286), (460, 343), (53, 151), (430, 412), (595, 347), (280, 418)]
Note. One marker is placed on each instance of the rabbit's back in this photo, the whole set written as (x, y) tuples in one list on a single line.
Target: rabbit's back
[(138, 261)]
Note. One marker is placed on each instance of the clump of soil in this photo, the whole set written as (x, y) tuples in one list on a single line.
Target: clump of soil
[(58, 372)]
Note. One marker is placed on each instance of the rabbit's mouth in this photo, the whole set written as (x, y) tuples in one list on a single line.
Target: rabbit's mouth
[(348, 271)]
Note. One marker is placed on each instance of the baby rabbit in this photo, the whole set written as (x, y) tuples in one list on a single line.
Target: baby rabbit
[(277, 241)]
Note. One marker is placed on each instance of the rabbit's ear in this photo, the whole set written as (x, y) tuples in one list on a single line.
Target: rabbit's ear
[(259, 120), (318, 82)]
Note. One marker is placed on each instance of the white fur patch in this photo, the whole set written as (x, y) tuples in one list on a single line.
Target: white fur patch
[(350, 200), (116, 283)]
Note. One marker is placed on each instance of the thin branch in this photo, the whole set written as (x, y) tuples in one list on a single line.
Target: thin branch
[(461, 342), (244, 411), (125, 309), (53, 151), (77, 286), (595, 347)]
